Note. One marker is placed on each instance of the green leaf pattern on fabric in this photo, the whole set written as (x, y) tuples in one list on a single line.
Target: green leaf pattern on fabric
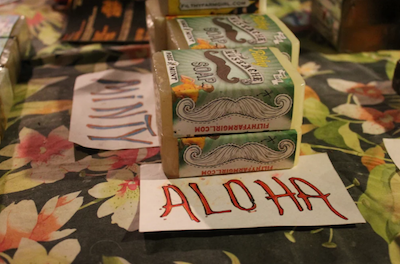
[(350, 138), (315, 111), (330, 134), (379, 202), (114, 260)]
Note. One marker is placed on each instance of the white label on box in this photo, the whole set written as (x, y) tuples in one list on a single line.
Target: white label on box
[(187, 31), (212, 4)]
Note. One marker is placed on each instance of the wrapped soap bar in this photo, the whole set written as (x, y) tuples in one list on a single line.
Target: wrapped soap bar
[(208, 7), (226, 91), (6, 99), (235, 153), (232, 31), (157, 10), (10, 59), (15, 27)]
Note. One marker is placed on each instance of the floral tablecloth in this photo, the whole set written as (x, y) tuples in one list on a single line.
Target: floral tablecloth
[(62, 203)]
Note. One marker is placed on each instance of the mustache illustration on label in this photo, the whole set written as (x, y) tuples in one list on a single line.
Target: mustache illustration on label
[(251, 151), (246, 106), (230, 32), (258, 37), (223, 70)]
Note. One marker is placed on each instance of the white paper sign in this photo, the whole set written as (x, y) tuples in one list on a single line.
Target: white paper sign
[(276, 198), (210, 4), (113, 110), (392, 146)]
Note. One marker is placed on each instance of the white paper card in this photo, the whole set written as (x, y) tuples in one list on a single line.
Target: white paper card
[(392, 146), (114, 109), (239, 200)]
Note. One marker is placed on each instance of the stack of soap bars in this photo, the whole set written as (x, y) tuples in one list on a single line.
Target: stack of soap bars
[(229, 97), (14, 46)]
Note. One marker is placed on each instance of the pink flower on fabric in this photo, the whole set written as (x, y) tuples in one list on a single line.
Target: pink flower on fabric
[(37, 148), (49, 157), (121, 190), (123, 158), (35, 20), (119, 159), (128, 184), (47, 160), (376, 122), (364, 94)]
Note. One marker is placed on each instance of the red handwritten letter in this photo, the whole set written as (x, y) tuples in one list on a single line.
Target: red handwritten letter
[(204, 201), (234, 200), (168, 206), (275, 197), (320, 195)]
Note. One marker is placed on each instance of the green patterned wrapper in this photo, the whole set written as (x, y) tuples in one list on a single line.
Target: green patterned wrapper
[(238, 153), (231, 91), (235, 31)]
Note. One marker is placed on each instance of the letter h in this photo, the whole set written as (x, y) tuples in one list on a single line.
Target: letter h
[(274, 197)]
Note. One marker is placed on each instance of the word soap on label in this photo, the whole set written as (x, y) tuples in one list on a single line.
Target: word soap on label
[(311, 194)]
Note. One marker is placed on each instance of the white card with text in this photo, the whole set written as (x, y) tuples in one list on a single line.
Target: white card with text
[(311, 194), (113, 110)]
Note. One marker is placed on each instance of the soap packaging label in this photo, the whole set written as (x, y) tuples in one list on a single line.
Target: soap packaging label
[(237, 153), (234, 31), (205, 7), (224, 91), (207, 4)]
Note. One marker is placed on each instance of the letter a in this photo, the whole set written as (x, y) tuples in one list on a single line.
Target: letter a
[(168, 206), (320, 195), (275, 197)]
